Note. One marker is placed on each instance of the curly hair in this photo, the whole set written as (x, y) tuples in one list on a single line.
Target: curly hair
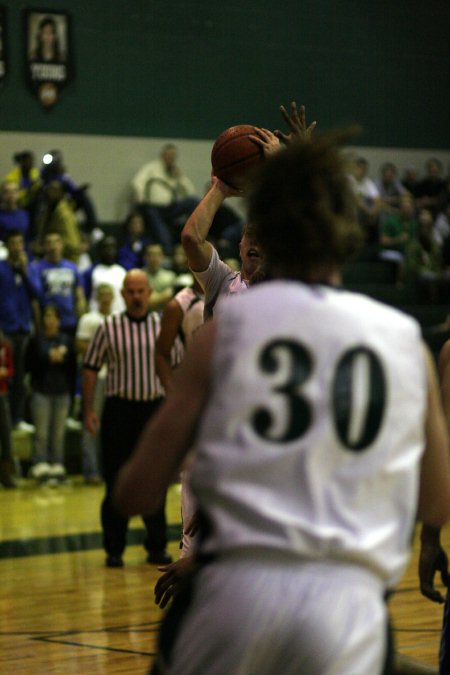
[(302, 208)]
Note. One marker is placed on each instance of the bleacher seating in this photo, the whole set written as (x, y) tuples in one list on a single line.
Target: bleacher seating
[(376, 278)]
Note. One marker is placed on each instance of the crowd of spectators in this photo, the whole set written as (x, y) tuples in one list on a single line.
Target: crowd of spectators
[(58, 264), (406, 220)]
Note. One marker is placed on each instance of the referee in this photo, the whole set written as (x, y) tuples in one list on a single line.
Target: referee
[(126, 343)]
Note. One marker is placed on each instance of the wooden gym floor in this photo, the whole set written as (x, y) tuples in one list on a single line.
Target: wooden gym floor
[(62, 611)]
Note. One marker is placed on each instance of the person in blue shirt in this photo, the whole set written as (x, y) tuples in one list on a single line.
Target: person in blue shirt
[(61, 283), (19, 310), (134, 241), (12, 218)]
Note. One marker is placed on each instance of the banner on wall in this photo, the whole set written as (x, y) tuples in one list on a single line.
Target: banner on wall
[(2, 43), (48, 54)]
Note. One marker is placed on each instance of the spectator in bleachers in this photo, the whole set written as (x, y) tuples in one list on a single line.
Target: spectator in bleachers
[(398, 230), (441, 233), (6, 372), (134, 240), (441, 227), (106, 271), (164, 194), (87, 326), (19, 313), (423, 263), (179, 265), (162, 280), (84, 260), (56, 215), (410, 179), (53, 169), (367, 198), (60, 282), (51, 361), (390, 189), (431, 188), (27, 177), (11, 216)]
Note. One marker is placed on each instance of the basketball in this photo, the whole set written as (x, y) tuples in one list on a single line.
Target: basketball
[(235, 155)]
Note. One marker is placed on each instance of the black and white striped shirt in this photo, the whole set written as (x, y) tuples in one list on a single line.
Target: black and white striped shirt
[(127, 346)]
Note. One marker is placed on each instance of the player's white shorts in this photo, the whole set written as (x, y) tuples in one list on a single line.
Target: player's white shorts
[(257, 618)]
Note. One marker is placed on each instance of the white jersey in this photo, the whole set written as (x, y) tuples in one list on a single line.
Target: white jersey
[(219, 279), (192, 305), (312, 438)]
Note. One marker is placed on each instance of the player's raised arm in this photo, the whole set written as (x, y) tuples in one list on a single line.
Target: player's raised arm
[(195, 232)]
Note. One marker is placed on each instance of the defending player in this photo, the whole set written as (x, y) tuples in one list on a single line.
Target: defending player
[(307, 484)]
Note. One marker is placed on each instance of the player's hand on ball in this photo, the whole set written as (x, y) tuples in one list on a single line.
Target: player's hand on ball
[(268, 141)]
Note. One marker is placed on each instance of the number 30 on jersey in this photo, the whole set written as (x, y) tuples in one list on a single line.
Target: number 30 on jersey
[(357, 396)]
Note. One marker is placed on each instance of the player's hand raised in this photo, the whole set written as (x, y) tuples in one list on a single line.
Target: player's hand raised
[(296, 122)]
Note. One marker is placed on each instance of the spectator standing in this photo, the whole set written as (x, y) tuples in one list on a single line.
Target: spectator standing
[(27, 177), (19, 312), (53, 169), (87, 326), (106, 271), (6, 372), (164, 194), (61, 283), (57, 215), (126, 343), (51, 362), (12, 218)]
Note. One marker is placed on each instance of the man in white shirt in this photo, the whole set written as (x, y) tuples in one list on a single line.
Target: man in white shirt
[(164, 194)]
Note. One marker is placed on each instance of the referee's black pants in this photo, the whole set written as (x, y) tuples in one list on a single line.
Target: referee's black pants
[(122, 424)]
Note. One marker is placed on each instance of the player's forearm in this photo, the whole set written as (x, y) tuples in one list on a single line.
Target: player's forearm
[(163, 370), (199, 223)]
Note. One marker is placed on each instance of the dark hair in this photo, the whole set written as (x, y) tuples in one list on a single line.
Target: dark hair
[(47, 21), (13, 233), (434, 160), (302, 208), (51, 307), (20, 156), (126, 223), (389, 165)]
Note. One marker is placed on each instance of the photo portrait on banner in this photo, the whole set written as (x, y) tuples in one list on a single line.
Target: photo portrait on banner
[(3, 38), (48, 55)]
